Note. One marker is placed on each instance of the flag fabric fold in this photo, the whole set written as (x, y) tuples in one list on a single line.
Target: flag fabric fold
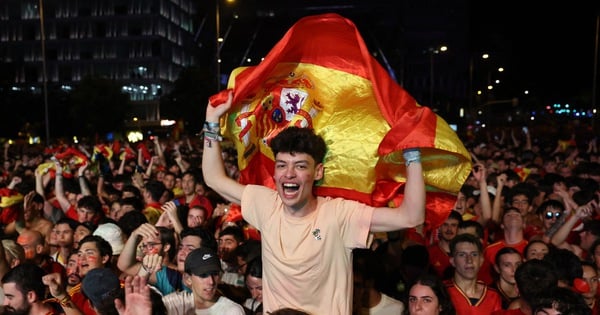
[(321, 75)]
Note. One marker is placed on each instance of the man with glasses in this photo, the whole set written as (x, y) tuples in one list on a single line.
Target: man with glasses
[(551, 214), (587, 235), (158, 248)]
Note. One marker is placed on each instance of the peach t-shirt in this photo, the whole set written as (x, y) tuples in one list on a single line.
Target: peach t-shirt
[(307, 261)]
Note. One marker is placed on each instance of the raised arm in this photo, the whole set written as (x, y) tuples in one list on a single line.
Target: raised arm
[(127, 262), (497, 206), (83, 184), (59, 190), (559, 239), (480, 173), (213, 168), (411, 211)]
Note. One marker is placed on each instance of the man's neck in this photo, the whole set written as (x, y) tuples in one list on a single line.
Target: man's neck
[(513, 236), (444, 245), (190, 197), (203, 304), (468, 286)]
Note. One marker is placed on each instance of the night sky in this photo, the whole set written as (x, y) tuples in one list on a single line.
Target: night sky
[(549, 49)]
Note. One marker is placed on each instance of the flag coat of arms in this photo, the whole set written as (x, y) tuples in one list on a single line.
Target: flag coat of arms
[(321, 75)]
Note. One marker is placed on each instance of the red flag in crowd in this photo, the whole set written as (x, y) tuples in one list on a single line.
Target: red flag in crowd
[(321, 75)]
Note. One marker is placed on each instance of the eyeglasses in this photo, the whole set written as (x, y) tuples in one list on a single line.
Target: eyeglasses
[(550, 214)]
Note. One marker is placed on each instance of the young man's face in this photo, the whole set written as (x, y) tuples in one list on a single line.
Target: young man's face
[(89, 258), (549, 216), (467, 260), (73, 277), (187, 244), (15, 302), (204, 288), (507, 265), (188, 184), (65, 235), (513, 220), (449, 229), (227, 244), (85, 215), (522, 203), (294, 177)]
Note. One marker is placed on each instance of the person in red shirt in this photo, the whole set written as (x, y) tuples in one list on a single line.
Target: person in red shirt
[(468, 295), (191, 198), (513, 226), (94, 252), (439, 252), (507, 261)]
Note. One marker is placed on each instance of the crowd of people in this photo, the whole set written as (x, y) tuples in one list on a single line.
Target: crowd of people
[(164, 227)]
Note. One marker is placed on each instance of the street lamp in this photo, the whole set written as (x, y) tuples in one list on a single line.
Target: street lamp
[(219, 40), (433, 51), (483, 56)]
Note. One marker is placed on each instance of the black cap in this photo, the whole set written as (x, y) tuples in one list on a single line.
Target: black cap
[(100, 284), (202, 261)]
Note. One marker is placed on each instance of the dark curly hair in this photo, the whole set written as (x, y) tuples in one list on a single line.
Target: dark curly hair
[(299, 140)]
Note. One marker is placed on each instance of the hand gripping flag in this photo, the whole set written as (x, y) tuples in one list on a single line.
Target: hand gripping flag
[(321, 75)]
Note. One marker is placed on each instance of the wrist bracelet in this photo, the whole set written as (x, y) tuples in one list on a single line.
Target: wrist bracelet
[(212, 126), (411, 156)]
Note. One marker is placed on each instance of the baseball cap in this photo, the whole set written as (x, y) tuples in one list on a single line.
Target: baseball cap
[(202, 261), (100, 284), (113, 234)]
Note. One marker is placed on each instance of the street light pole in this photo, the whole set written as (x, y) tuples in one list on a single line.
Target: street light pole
[(433, 51), (44, 71)]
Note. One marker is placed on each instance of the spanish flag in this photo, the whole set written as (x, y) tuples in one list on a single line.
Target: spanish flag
[(321, 75)]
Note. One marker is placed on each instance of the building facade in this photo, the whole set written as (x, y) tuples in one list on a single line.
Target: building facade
[(141, 44)]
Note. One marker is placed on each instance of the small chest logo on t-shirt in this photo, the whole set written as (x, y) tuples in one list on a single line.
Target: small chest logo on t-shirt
[(317, 234)]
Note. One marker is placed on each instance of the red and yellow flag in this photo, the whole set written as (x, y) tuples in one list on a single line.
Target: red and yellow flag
[(321, 75)]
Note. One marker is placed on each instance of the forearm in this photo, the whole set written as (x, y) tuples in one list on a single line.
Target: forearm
[(39, 184), (497, 205), (413, 204), (122, 165), (127, 259), (213, 170), (563, 232), (486, 204), (59, 192), (85, 189)]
